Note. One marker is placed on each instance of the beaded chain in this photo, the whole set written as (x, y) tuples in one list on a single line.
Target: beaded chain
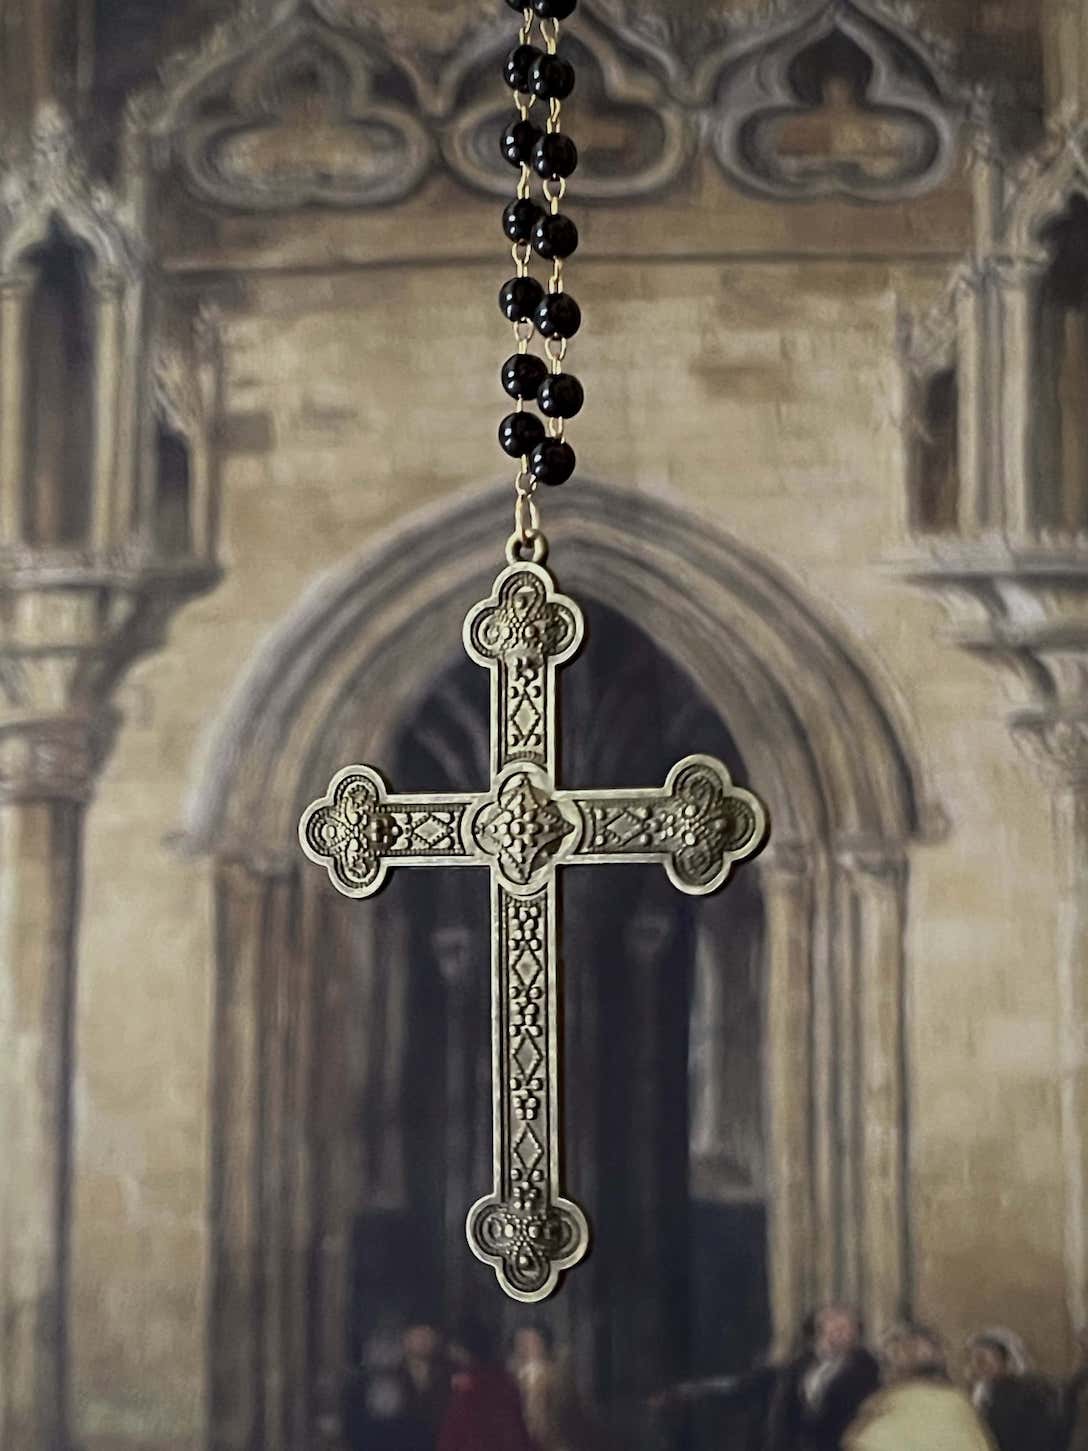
[(537, 75)]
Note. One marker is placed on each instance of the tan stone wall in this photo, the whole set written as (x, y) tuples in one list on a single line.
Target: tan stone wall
[(762, 395)]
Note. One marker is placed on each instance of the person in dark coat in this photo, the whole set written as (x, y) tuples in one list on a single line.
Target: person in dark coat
[(1021, 1410), (819, 1394)]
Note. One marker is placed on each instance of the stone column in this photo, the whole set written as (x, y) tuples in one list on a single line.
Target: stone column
[(1017, 290), (13, 302), (454, 952), (1058, 743), (876, 1229), (46, 768), (787, 895), (108, 525)]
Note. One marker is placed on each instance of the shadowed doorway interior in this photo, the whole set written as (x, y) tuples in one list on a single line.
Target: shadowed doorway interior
[(663, 1034)]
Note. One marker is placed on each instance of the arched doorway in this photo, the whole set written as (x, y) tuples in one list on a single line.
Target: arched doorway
[(664, 1031), (813, 725)]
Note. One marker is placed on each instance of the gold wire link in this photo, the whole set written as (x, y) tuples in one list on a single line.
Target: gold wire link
[(555, 192), (534, 547), (549, 33), (556, 349)]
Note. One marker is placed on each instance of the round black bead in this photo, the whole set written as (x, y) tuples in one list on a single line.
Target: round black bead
[(551, 78), (519, 219), (520, 65), (560, 396), (555, 236), (520, 433), (552, 462), (553, 9), (523, 374), (554, 155), (558, 316), (518, 5), (518, 140), (520, 297)]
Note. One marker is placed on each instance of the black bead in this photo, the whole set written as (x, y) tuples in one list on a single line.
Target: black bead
[(519, 5), (520, 65), (552, 462), (554, 155), (551, 78), (555, 236), (558, 316), (523, 374), (520, 433), (518, 140), (553, 9), (520, 297), (560, 396), (520, 217)]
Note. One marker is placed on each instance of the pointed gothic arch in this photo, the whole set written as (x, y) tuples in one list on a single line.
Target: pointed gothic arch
[(822, 740)]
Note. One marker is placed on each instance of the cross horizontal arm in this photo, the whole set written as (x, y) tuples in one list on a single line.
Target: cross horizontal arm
[(697, 825), (358, 830)]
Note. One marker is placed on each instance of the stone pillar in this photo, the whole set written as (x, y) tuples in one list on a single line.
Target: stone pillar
[(108, 524), (45, 774), (454, 952), (972, 324), (787, 895), (873, 882), (1018, 286), (13, 300), (1059, 744), (1065, 59)]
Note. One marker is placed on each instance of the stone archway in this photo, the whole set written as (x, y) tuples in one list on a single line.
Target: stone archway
[(842, 784)]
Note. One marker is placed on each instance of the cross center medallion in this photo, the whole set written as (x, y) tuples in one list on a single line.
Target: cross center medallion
[(523, 828)]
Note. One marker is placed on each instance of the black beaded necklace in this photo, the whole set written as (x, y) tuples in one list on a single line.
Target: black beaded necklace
[(538, 76)]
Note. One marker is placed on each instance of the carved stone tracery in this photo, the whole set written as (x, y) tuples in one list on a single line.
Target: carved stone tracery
[(297, 119)]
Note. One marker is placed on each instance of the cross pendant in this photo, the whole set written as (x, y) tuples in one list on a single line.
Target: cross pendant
[(697, 825)]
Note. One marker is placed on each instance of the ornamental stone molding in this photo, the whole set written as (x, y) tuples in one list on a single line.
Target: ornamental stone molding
[(900, 111), (48, 182), (348, 103)]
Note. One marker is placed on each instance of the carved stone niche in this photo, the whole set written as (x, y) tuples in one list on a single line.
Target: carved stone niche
[(836, 98), (181, 502), (283, 109), (1060, 368), (68, 270), (929, 356)]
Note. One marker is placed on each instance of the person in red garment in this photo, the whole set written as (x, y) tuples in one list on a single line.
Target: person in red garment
[(484, 1410)]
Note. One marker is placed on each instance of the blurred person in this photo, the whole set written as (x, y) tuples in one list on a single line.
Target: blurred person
[(1020, 1408), (484, 1410), (820, 1393), (425, 1375), (554, 1415), (919, 1409)]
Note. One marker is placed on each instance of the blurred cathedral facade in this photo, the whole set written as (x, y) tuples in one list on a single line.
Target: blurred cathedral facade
[(831, 524)]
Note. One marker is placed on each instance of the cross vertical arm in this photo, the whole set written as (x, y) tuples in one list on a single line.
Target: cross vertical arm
[(525, 1229), (521, 635)]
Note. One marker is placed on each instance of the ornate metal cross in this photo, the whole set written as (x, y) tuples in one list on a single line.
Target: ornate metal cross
[(697, 825)]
